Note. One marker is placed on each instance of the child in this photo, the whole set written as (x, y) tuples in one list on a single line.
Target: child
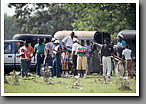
[(65, 62), (81, 59)]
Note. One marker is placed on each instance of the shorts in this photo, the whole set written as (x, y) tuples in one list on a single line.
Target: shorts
[(29, 64), (81, 62)]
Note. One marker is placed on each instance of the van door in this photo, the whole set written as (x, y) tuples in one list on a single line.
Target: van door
[(8, 56), (17, 59)]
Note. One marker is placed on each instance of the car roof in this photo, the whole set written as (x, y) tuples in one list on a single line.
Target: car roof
[(13, 40)]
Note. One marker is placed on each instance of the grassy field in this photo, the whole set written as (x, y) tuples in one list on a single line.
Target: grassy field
[(92, 84)]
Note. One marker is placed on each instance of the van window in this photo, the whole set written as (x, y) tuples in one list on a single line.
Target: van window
[(7, 48), (17, 47)]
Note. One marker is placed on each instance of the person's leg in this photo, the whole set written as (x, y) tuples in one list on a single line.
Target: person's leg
[(38, 65), (22, 68), (54, 65), (50, 64), (79, 65), (57, 61), (25, 68), (104, 62), (88, 65), (84, 65), (29, 67), (45, 63), (128, 66), (109, 67), (75, 64)]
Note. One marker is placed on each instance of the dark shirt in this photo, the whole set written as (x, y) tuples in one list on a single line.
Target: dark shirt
[(106, 50)]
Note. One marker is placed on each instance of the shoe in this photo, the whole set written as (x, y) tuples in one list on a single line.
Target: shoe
[(78, 75), (29, 75), (38, 76), (109, 79), (68, 75), (104, 79), (84, 76), (42, 77)]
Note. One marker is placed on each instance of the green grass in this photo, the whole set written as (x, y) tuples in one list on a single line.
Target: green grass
[(64, 85)]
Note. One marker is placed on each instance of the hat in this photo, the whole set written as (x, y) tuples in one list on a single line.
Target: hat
[(120, 36), (53, 39), (56, 41), (75, 39)]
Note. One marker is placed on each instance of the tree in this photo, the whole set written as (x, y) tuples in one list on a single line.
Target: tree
[(50, 17), (41, 18), (10, 28), (110, 18)]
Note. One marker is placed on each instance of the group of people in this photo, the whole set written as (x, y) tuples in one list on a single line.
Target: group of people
[(50, 54)]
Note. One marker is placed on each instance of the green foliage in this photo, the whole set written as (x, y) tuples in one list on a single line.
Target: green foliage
[(48, 18), (110, 18), (41, 18), (10, 27)]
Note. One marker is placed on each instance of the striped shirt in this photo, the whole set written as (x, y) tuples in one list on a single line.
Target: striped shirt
[(81, 51)]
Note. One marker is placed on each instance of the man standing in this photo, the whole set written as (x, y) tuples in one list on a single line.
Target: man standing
[(106, 52), (68, 42), (120, 46), (39, 50), (81, 59), (29, 50), (127, 54), (88, 55), (74, 54), (121, 42), (23, 58), (57, 60), (48, 51)]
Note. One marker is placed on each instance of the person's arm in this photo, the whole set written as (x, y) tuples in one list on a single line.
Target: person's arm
[(35, 49), (64, 41), (113, 52), (101, 54), (32, 50), (123, 56), (131, 55)]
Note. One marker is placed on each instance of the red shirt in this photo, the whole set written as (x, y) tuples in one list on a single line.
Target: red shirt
[(23, 52)]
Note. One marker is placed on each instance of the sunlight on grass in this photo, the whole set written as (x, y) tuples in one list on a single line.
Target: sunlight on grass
[(92, 84)]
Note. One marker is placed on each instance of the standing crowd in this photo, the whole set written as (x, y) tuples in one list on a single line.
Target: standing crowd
[(50, 54)]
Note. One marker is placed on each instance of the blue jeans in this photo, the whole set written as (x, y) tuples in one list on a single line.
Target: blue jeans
[(56, 65), (49, 62), (88, 63), (40, 60), (23, 67)]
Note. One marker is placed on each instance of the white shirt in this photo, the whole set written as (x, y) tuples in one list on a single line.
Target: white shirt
[(56, 49), (127, 53), (68, 41), (74, 47)]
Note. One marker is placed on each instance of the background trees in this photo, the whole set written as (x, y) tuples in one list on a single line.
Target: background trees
[(10, 27), (48, 18)]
